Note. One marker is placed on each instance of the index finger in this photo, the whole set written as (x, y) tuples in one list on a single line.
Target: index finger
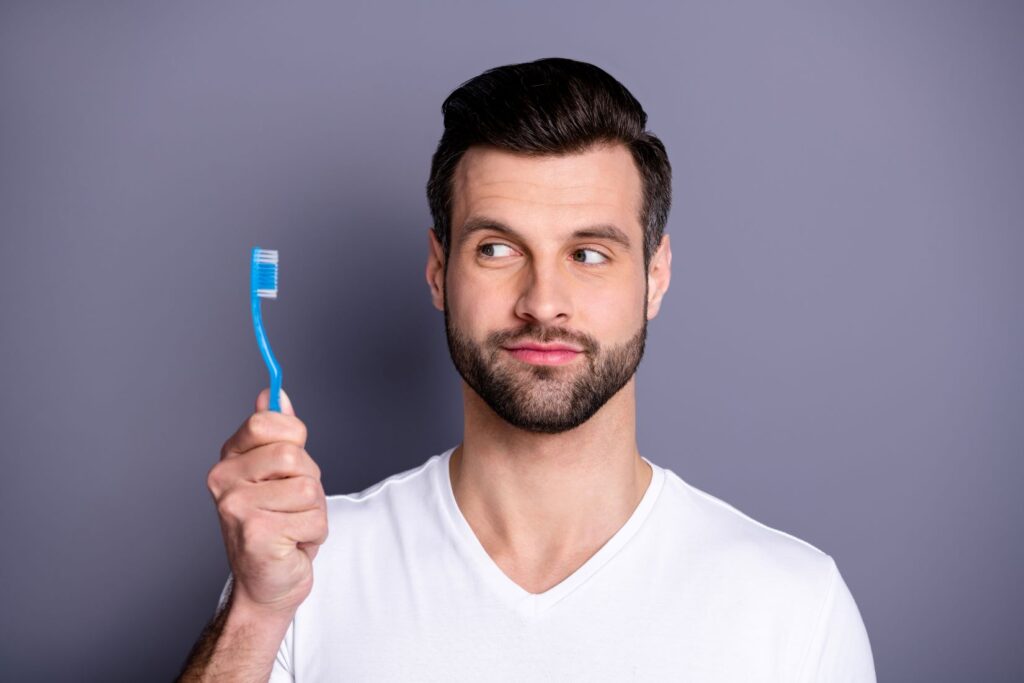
[(262, 428)]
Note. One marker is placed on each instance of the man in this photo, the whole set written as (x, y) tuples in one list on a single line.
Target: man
[(544, 546)]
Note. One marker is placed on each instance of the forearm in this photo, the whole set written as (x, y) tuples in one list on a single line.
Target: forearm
[(238, 645)]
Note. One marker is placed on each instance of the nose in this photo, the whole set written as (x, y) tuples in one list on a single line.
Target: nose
[(546, 295)]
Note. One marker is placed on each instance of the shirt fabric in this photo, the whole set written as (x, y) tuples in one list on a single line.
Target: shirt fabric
[(688, 589)]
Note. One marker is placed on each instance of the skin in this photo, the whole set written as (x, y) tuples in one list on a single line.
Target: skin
[(542, 502)]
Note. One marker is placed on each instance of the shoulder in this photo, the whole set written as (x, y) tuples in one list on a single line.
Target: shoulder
[(396, 514), (734, 545), (397, 490), (758, 579)]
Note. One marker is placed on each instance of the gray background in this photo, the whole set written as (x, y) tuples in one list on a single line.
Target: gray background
[(838, 355)]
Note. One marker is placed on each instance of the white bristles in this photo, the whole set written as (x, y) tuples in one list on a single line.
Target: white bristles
[(265, 263), (266, 256)]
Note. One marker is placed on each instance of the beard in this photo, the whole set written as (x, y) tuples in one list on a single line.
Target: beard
[(547, 399)]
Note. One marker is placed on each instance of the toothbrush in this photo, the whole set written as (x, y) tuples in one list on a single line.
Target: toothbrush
[(263, 285)]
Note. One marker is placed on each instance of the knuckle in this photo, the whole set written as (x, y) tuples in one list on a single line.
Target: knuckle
[(230, 505), (252, 424), (258, 425), (213, 480), (286, 455), (309, 490)]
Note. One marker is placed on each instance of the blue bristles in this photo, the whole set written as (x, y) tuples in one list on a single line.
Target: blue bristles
[(264, 263)]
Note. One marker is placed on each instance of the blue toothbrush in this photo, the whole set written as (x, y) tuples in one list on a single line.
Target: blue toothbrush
[(263, 285)]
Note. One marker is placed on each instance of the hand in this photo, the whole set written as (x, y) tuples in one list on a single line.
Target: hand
[(272, 508)]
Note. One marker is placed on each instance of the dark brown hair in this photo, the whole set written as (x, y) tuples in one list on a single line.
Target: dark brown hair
[(549, 106)]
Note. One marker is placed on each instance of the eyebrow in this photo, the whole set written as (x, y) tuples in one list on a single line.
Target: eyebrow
[(599, 231)]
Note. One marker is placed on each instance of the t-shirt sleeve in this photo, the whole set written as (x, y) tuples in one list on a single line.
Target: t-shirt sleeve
[(224, 595), (839, 651), (282, 671)]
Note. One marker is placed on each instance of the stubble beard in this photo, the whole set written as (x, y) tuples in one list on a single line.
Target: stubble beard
[(542, 398)]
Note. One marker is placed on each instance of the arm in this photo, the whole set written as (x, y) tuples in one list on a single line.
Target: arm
[(273, 516), (239, 644)]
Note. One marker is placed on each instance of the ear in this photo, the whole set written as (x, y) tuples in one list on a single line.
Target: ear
[(435, 270), (658, 276)]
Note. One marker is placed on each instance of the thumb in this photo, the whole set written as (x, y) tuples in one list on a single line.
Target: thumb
[(263, 402)]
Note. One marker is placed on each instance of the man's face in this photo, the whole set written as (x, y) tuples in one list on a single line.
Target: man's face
[(544, 292)]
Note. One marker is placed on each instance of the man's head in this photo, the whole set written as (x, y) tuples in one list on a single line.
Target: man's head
[(549, 201)]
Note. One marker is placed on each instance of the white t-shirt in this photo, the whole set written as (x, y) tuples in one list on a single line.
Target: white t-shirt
[(689, 589)]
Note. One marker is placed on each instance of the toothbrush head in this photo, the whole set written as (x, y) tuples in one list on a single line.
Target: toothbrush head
[(264, 273)]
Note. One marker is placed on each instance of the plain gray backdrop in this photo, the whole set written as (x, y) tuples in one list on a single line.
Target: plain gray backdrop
[(839, 355)]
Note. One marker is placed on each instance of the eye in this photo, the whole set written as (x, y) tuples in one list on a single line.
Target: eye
[(493, 249), (602, 258)]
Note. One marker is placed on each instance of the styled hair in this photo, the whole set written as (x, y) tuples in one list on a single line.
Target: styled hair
[(551, 106)]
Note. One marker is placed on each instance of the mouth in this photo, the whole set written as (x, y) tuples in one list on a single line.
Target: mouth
[(544, 354)]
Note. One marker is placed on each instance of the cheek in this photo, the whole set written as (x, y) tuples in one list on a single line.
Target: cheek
[(471, 305), (619, 310)]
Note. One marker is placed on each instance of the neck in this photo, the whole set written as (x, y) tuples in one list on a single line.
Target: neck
[(537, 501)]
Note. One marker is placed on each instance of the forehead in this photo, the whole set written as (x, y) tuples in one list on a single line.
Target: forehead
[(599, 185)]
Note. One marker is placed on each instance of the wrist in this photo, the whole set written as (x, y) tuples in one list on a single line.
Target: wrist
[(245, 608), (254, 619)]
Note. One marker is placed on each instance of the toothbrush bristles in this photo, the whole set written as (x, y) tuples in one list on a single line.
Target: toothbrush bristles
[(265, 261)]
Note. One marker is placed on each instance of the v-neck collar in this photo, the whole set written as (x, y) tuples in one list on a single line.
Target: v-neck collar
[(528, 605)]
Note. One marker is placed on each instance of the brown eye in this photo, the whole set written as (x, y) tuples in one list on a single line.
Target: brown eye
[(602, 258), (488, 249)]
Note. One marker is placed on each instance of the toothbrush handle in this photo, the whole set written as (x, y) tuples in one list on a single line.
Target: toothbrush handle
[(275, 391), (273, 367)]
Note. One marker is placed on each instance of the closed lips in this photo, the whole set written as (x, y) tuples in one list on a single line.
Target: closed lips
[(542, 347), (539, 354)]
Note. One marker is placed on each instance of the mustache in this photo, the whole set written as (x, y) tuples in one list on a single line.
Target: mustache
[(543, 335)]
